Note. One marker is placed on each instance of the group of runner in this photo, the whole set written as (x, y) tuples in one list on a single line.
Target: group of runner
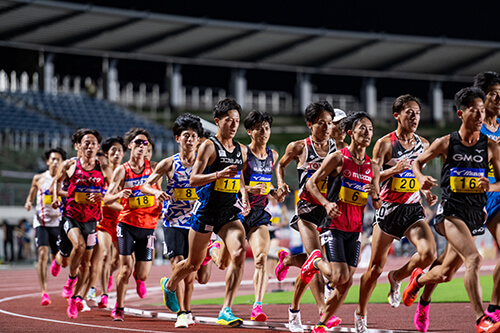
[(216, 196)]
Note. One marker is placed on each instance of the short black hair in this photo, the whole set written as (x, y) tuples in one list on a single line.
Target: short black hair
[(80, 133), (466, 96), (187, 121), (206, 134), (400, 102), (315, 109), (353, 118), (135, 131), (108, 143), (222, 107), (58, 150), (256, 117), (486, 80)]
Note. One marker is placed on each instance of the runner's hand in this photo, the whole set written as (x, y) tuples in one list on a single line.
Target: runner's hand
[(332, 209), (427, 182), (484, 183), (161, 196), (430, 197), (228, 172)]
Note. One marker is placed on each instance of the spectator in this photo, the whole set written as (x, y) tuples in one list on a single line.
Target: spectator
[(8, 238)]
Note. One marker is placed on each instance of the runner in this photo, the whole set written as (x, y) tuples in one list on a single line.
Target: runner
[(178, 201), (46, 219), (217, 175), (401, 214), (338, 133), (352, 177), (258, 171), (489, 83), (461, 214), (137, 220), (105, 259), (308, 154), (86, 178)]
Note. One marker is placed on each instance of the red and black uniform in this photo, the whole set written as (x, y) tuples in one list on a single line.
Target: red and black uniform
[(79, 211), (109, 219), (346, 189)]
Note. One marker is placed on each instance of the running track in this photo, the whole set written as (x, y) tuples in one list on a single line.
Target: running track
[(20, 309)]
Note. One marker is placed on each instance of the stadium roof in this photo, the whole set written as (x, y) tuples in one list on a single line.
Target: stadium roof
[(70, 28)]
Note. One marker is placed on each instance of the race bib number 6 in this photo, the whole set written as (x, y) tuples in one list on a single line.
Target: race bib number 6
[(352, 193), (228, 185), (466, 180)]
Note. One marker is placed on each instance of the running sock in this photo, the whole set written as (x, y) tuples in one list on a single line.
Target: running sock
[(72, 277), (320, 323), (294, 311), (117, 308), (493, 308), (257, 304), (416, 280), (315, 263), (181, 312), (424, 302)]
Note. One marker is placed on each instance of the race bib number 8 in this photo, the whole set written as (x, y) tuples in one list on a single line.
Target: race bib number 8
[(261, 179), (466, 180), (405, 182), (185, 194), (139, 200), (352, 193), (228, 185)]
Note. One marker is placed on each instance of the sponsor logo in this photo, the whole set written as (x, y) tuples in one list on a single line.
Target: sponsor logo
[(468, 158), (361, 176), (347, 173), (222, 153), (314, 165), (231, 160)]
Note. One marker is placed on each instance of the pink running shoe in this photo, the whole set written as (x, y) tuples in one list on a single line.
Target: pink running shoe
[(54, 268), (79, 304), (257, 314), (72, 310), (103, 303), (493, 315), (110, 283), (212, 245), (281, 270), (140, 287), (421, 318), (308, 270), (67, 291), (117, 315), (46, 299), (333, 322), (113, 312)]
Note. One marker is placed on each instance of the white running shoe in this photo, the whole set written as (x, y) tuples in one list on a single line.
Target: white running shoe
[(181, 321), (190, 319), (360, 323), (85, 306), (294, 322), (328, 291), (395, 292)]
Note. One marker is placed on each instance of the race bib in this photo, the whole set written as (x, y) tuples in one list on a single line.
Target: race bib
[(405, 182), (48, 198), (257, 179), (322, 183), (82, 194), (466, 180), (352, 193), (228, 185), (185, 194), (275, 219), (491, 173), (139, 200)]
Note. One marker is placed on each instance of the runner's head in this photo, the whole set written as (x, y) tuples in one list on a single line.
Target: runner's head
[(319, 119), (338, 133), (489, 83), (227, 113), (114, 149), (187, 130), (406, 111), (258, 125), (358, 125), (54, 157), (137, 140), (88, 141), (470, 107)]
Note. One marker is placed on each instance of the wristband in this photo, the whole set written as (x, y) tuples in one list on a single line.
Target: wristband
[(378, 199), (216, 175)]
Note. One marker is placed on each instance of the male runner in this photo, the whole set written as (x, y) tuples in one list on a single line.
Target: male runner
[(401, 214), (46, 219), (138, 218), (461, 214), (217, 175)]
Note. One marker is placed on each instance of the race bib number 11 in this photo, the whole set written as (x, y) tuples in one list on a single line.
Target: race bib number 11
[(228, 185)]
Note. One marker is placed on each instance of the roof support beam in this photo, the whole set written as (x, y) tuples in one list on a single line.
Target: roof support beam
[(407, 57), (469, 62), (341, 54), (132, 47)]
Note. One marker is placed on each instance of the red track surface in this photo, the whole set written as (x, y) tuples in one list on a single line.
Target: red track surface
[(20, 309)]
